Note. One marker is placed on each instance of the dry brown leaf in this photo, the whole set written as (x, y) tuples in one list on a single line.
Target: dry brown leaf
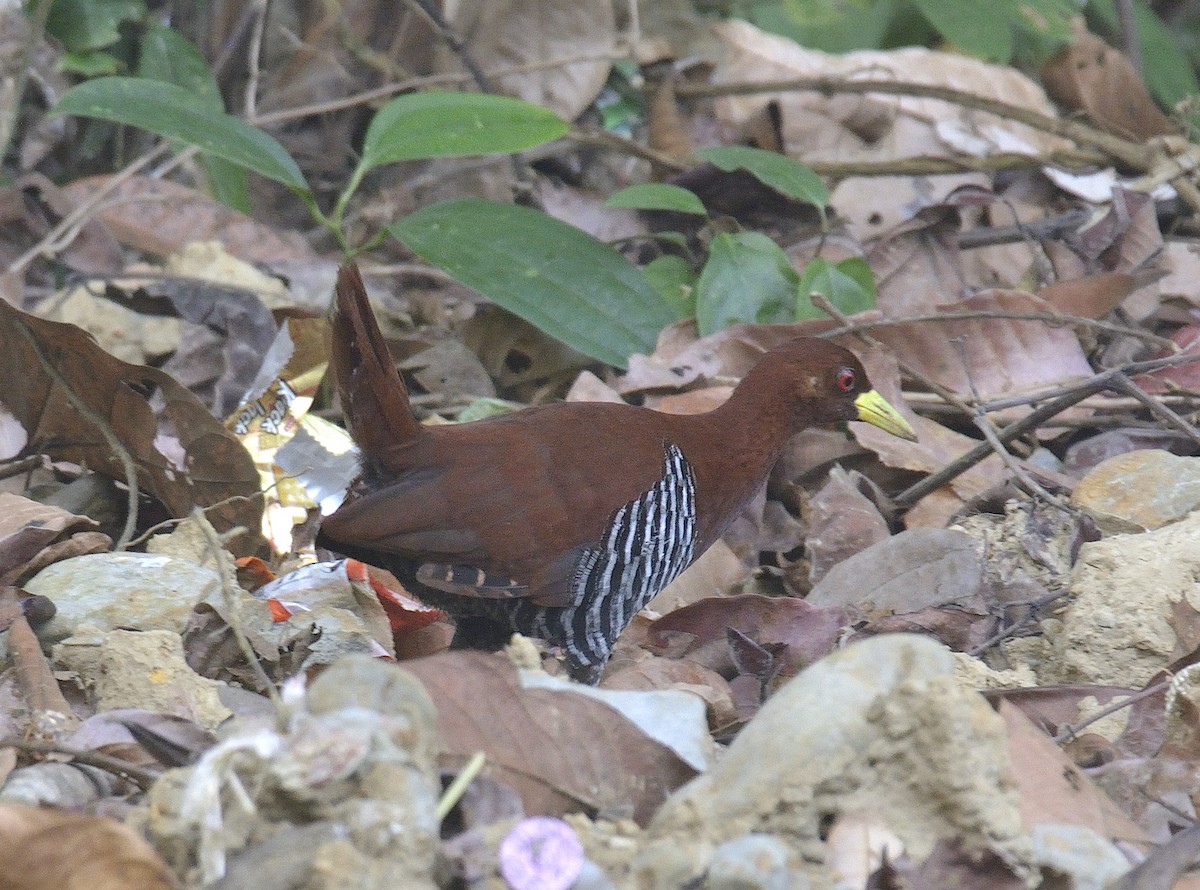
[(185, 458), (803, 632), (681, 357), (665, 129), (562, 751), (1053, 707), (512, 33), (160, 217), (1000, 356), (818, 127), (914, 570), (1090, 76), (1093, 296), (1185, 377), (653, 672), (917, 265), (1052, 788), (44, 849), (516, 354), (1183, 258), (26, 528), (842, 521), (590, 388), (42, 204), (854, 122)]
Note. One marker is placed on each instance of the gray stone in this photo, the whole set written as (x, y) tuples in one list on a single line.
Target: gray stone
[(1091, 861), (755, 862), (105, 591)]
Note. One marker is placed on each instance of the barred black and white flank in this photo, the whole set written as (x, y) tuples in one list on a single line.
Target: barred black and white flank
[(645, 546)]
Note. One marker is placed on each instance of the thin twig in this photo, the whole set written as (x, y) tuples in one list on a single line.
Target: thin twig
[(380, 93), (110, 437), (1028, 619), (1151, 157), (36, 680), (216, 505), (1122, 383), (1051, 318), (1072, 396), (458, 787), (253, 59), (1072, 730), (931, 165), (1131, 153), (69, 226), (928, 400), (227, 571), (8, 469), (1129, 36), (138, 775), (985, 426), (433, 15)]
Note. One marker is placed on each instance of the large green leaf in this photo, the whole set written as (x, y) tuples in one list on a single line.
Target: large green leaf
[(172, 111), (849, 285), (772, 169), (747, 278), (169, 56), (442, 125), (553, 275)]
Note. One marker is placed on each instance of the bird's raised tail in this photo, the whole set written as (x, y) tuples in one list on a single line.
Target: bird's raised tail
[(373, 396)]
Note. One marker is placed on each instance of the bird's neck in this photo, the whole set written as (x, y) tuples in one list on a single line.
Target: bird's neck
[(738, 444)]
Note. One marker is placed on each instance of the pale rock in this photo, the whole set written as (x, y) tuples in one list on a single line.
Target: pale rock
[(1139, 491)]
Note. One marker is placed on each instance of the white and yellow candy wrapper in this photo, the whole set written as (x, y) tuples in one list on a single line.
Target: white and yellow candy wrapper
[(274, 411)]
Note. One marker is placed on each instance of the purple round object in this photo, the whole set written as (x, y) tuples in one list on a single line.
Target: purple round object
[(541, 854)]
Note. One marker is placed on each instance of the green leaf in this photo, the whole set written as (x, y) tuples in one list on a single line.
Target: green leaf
[(988, 29), (834, 26), (444, 125), (981, 29), (747, 278), (172, 111), (657, 196), (170, 57), (484, 407), (553, 275), (1048, 19), (226, 181), (674, 278), (771, 169), (82, 25), (849, 286)]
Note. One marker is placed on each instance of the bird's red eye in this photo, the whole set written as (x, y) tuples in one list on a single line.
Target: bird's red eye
[(846, 379)]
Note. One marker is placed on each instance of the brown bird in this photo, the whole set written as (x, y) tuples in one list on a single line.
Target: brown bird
[(562, 521)]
